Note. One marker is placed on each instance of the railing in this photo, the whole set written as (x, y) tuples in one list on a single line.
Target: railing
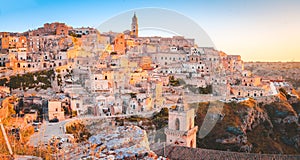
[(181, 133)]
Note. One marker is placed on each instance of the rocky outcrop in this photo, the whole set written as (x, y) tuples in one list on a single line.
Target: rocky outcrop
[(253, 117), (125, 142), (255, 127)]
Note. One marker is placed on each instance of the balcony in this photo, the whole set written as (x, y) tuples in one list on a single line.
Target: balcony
[(181, 133)]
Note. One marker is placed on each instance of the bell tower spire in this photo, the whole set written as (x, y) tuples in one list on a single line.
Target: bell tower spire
[(134, 26)]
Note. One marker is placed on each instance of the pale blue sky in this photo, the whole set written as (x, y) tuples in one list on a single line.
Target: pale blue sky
[(257, 30)]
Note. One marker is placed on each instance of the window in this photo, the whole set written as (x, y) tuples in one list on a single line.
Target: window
[(77, 105), (177, 124)]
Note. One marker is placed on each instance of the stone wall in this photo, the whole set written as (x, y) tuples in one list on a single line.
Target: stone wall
[(177, 152), (267, 99)]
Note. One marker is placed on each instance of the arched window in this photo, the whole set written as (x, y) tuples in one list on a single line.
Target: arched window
[(177, 124), (190, 125)]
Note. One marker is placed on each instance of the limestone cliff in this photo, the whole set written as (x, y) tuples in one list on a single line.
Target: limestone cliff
[(257, 127)]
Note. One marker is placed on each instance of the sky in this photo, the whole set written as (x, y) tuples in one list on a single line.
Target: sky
[(267, 30)]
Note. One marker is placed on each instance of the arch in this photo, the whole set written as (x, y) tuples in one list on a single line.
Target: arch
[(190, 125), (177, 124), (116, 84), (90, 110)]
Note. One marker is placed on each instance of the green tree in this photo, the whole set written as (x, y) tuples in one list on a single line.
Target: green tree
[(3, 81)]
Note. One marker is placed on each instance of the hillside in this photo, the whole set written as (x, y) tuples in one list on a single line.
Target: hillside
[(254, 127), (290, 71)]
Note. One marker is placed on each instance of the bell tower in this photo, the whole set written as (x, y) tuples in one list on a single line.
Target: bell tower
[(134, 27), (181, 130)]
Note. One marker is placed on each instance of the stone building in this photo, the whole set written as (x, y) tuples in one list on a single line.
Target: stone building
[(120, 44), (3, 59), (250, 91), (77, 105), (55, 110), (181, 130), (168, 58), (251, 81)]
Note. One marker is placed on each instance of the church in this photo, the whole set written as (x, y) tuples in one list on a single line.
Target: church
[(134, 27), (181, 130)]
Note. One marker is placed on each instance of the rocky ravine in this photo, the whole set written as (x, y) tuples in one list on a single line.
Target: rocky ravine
[(255, 127)]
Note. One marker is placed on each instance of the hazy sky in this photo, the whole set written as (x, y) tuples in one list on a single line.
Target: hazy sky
[(259, 30)]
